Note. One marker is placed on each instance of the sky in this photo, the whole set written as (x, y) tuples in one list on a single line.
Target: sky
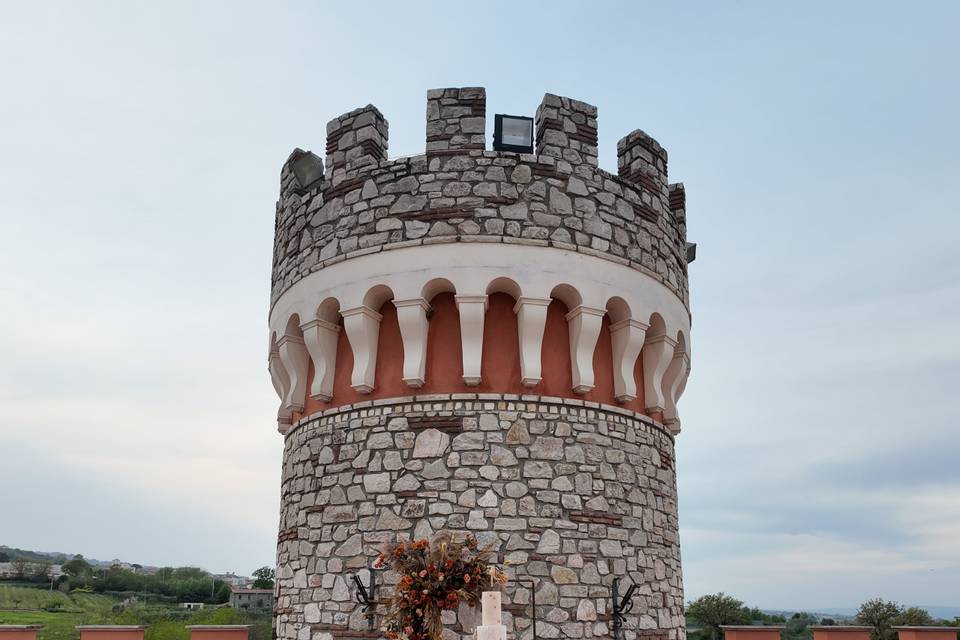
[(140, 152)]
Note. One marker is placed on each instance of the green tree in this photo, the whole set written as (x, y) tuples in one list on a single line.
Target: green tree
[(796, 626), (717, 609), (881, 615), (76, 567), (20, 567), (4, 556), (41, 570), (913, 616), (223, 593), (263, 578), (187, 573)]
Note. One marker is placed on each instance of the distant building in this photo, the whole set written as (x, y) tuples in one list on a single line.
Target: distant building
[(235, 581), (259, 599), (8, 571), (192, 606)]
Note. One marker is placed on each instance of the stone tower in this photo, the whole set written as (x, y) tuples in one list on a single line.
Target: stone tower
[(488, 342)]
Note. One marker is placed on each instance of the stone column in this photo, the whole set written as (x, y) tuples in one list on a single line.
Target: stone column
[(355, 139), (456, 120), (567, 130), (641, 159)]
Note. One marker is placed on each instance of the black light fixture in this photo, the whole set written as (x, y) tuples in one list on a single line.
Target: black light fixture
[(691, 252), (513, 133), (307, 167)]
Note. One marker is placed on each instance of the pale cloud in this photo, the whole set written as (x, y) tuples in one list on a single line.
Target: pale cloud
[(139, 166)]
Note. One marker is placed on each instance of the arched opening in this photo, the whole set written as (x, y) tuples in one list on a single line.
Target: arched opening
[(555, 353), (388, 378), (444, 367), (504, 285), (602, 366), (500, 366)]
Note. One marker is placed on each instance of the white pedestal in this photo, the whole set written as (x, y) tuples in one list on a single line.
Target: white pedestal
[(492, 632), (491, 629)]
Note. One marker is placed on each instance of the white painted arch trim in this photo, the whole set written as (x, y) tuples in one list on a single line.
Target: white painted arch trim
[(472, 271)]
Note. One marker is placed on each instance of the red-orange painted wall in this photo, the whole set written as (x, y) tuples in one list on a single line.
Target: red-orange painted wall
[(841, 633), (927, 634), (758, 633), (500, 365), (219, 634), (18, 634), (111, 634)]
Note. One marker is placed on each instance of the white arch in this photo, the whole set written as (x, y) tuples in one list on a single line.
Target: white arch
[(360, 285)]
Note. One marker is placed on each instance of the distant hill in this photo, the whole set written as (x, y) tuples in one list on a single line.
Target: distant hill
[(937, 611), (837, 614), (56, 557)]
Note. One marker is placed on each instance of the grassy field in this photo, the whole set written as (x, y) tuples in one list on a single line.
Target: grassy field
[(25, 605), (32, 598)]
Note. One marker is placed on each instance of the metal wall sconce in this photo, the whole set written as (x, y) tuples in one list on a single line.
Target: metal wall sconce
[(367, 596), (621, 606)]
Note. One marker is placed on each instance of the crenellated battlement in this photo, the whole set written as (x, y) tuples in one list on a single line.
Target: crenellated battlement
[(458, 191)]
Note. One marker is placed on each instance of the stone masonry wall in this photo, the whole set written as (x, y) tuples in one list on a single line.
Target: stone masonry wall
[(571, 493), (459, 192)]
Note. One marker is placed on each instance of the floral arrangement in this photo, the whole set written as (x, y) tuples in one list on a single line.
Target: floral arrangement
[(434, 575)]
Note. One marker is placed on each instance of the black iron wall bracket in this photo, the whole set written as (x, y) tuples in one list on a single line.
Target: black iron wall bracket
[(621, 606), (367, 596)]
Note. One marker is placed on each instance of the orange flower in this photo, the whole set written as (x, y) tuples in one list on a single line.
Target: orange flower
[(466, 578)]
